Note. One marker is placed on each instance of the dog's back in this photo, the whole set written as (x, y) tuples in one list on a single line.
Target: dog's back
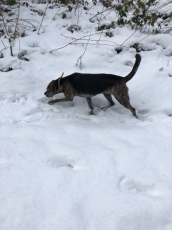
[(92, 83)]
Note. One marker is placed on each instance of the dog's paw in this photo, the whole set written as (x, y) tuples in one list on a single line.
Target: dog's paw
[(50, 102), (103, 108), (91, 113)]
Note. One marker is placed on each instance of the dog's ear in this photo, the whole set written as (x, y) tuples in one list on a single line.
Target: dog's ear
[(59, 79)]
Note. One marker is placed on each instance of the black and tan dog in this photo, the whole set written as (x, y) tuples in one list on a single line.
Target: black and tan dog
[(89, 85)]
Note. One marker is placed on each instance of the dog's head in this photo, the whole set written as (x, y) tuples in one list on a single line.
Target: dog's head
[(54, 87)]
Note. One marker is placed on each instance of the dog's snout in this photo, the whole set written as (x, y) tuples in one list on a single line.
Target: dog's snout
[(47, 94)]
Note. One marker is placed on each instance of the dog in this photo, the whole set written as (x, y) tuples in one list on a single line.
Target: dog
[(88, 85)]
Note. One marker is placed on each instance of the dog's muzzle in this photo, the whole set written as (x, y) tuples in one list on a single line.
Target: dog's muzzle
[(46, 94), (49, 94)]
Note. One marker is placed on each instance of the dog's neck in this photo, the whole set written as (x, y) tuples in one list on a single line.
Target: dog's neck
[(59, 88)]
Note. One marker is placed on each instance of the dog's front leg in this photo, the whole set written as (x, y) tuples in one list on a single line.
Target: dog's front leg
[(90, 105), (60, 100)]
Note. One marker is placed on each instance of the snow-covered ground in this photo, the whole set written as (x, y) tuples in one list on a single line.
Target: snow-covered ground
[(62, 169)]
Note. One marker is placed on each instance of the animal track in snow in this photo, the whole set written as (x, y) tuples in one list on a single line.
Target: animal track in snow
[(56, 162), (131, 186), (168, 112), (144, 111)]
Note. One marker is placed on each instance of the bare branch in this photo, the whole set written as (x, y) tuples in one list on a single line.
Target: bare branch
[(15, 30), (73, 42), (92, 39), (2, 15), (129, 37), (56, 13), (3, 43), (76, 6), (43, 17), (100, 13), (80, 58)]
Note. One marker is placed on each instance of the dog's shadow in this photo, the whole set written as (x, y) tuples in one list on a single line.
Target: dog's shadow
[(78, 105)]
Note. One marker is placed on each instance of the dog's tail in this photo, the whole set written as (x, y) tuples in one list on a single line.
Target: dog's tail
[(135, 67)]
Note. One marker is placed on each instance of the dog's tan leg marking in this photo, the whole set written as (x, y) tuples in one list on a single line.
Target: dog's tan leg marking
[(126, 103), (59, 100), (111, 102), (123, 98), (132, 110)]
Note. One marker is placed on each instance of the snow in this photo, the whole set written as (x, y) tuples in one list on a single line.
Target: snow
[(61, 168)]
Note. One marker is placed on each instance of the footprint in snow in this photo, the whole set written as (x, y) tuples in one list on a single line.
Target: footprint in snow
[(144, 111), (131, 186), (56, 162), (168, 112)]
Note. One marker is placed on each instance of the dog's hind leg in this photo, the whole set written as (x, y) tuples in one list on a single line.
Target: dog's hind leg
[(125, 101), (109, 98), (128, 106), (90, 105)]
